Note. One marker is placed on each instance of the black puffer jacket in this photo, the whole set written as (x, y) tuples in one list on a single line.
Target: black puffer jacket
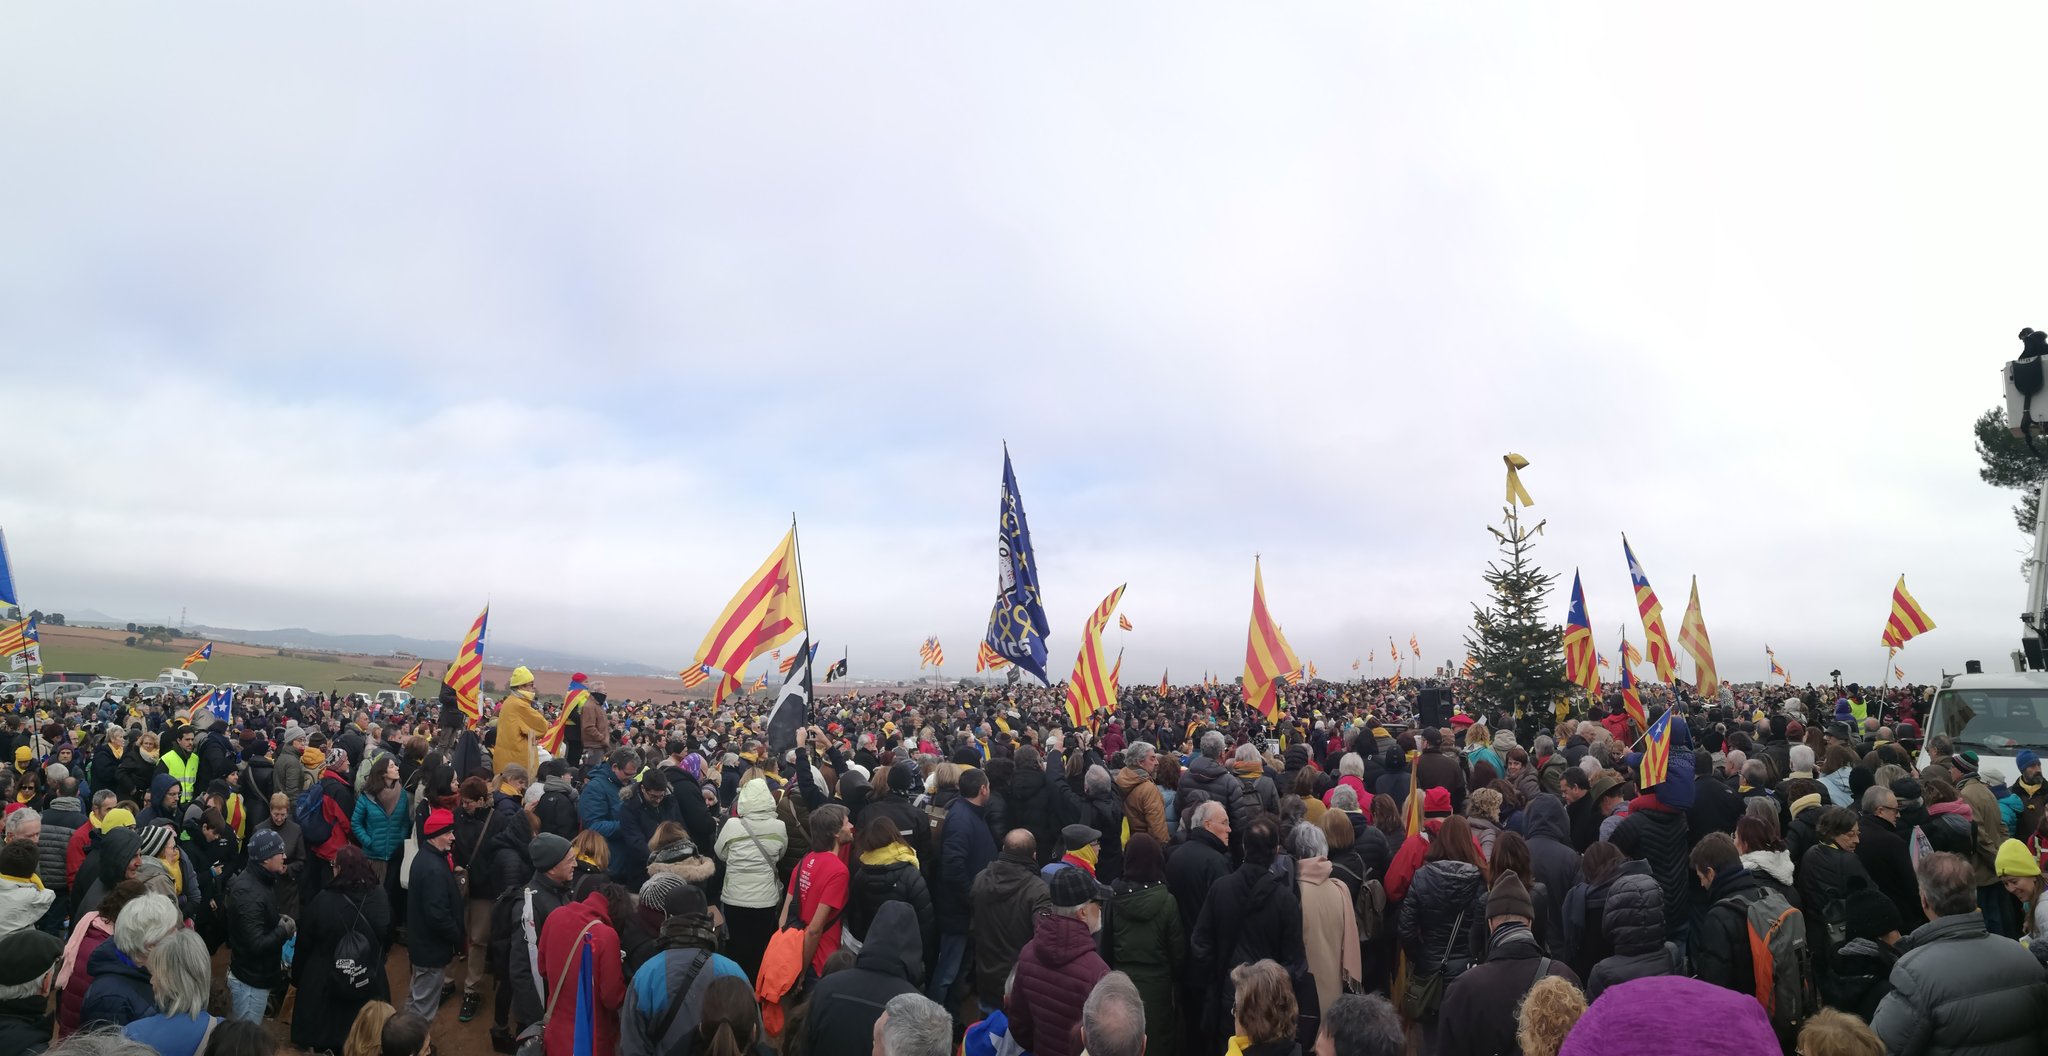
[(61, 819), (1031, 804), (501, 864), (1633, 920), (1826, 875), (1585, 934), (1253, 914), (1961, 989), (1657, 834), (845, 1005), (1441, 893), (873, 885), (1211, 778)]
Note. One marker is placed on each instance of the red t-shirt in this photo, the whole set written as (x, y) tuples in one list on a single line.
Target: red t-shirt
[(821, 881)]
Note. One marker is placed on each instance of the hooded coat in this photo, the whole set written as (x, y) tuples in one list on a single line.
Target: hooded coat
[(750, 878), (1859, 977), (107, 866), (1633, 920), (1032, 803), (1551, 855), (1056, 971), (1656, 832), (844, 1005), (1252, 914), (1585, 941), (560, 956), (119, 994), (1147, 943)]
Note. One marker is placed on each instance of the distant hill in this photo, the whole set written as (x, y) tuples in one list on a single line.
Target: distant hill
[(388, 644)]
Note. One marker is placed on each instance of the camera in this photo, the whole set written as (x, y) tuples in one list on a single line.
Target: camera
[(2024, 380)]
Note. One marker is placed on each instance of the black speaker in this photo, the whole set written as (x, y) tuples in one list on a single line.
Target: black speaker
[(1433, 707)]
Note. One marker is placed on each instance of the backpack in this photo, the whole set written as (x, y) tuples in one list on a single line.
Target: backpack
[(313, 823), (354, 958), (1780, 958), (1369, 906)]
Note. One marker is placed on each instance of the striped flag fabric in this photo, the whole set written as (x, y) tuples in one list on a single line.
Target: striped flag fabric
[(1581, 658), (465, 677), (1692, 633), (1630, 655), (220, 702), (1471, 665), (760, 683), (1311, 670), (17, 637), (196, 655), (1415, 644), (1164, 688), (1655, 638), (987, 659), (726, 687), (1267, 656), (1355, 665), (767, 612), (411, 676), (1604, 664), (1776, 670), (931, 654), (1908, 619), (696, 676), (1089, 688), (1123, 621), (1657, 752), (1632, 700), (1414, 804), (1898, 672)]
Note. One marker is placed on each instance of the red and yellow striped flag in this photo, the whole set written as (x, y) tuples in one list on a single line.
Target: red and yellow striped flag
[(411, 677), (696, 676), (1692, 633), (466, 672), (1267, 656), (767, 612), (1908, 619), (726, 687), (987, 659), (1089, 688), (1123, 621), (1164, 689), (1659, 643), (1414, 804)]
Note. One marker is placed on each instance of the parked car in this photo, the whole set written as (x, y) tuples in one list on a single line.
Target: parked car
[(49, 691), (394, 698)]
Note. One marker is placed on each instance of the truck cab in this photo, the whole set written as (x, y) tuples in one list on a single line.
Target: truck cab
[(1994, 716)]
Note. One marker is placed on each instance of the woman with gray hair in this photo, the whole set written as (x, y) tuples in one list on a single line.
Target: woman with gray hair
[(181, 976), (1329, 927), (121, 990)]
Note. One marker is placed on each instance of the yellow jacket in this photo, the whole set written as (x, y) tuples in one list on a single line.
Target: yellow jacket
[(520, 725)]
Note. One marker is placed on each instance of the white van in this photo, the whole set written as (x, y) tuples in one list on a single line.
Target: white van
[(393, 698), (176, 676), (1994, 716)]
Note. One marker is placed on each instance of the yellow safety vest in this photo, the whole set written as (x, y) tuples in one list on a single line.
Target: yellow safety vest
[(186, 769)]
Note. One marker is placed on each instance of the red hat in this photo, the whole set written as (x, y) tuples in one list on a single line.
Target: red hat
[(578, 677), (440, 820), (1794, 730), (1461, 720), (1436, 801)]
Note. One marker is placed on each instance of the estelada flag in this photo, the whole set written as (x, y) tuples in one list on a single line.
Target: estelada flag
[(464, 681), (767, 612), (1581, 658), (411, 677), (197, 655), (1631, 700), (1656, 640), (1657, 752)]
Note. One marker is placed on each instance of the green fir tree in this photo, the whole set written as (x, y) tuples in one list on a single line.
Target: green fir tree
[(1518, 654)]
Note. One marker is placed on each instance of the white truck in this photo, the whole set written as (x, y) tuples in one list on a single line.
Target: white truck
[(1994, 716), (176, 676)]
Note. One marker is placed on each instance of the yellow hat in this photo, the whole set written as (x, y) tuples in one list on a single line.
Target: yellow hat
[(117, 818), (520, 677), (2015, 860), (22, 756)]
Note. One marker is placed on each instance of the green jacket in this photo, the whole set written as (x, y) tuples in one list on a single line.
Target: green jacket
[(1147, 944)]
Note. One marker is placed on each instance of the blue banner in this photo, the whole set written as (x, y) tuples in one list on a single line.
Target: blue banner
[(1017, 627), (8, 595)]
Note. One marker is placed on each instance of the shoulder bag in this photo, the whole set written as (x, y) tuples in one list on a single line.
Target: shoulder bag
[(1426, 989), (530, 1039)]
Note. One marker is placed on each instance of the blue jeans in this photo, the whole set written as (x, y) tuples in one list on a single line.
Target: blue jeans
[(248, 1001), (952, 949)]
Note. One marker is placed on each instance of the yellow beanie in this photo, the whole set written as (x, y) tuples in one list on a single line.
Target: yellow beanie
[(117, 818), (2015, 860)]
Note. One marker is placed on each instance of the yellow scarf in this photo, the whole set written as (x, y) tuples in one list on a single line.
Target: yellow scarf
[(31, 879), (890, 855), (1238, 1043), (1086, 854)]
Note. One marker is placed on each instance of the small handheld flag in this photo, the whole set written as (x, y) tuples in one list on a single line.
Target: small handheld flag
[(1657, 751)]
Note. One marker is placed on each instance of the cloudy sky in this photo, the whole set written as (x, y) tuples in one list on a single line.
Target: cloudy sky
[(350, 324)]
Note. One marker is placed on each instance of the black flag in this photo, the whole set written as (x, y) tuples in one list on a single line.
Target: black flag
[(793, 705)]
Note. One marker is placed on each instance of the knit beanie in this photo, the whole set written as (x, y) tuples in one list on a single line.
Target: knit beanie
[(1871, 914), (314, 758), (154, 838), (1964, 761), (547, 851), (2026, 759), (2015, 860), (439, 820), (1510, 899)]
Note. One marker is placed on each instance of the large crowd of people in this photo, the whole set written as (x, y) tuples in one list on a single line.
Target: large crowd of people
[(963, 870)]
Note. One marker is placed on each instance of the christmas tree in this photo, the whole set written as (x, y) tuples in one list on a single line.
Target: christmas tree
[(1517, 653)]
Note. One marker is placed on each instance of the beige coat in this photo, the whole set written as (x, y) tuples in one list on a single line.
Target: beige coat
[(1329, 929)]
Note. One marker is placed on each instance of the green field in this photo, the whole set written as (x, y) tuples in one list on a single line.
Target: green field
[(115, 660)]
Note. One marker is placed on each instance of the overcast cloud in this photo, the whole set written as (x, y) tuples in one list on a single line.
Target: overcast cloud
[(350, 318)]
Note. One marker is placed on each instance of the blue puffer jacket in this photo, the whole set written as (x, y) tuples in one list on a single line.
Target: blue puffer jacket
[(599, 804), (120, 992), (382, 834)]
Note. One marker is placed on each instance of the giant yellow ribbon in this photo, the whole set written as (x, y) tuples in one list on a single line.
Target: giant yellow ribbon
[(1516, 492)]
